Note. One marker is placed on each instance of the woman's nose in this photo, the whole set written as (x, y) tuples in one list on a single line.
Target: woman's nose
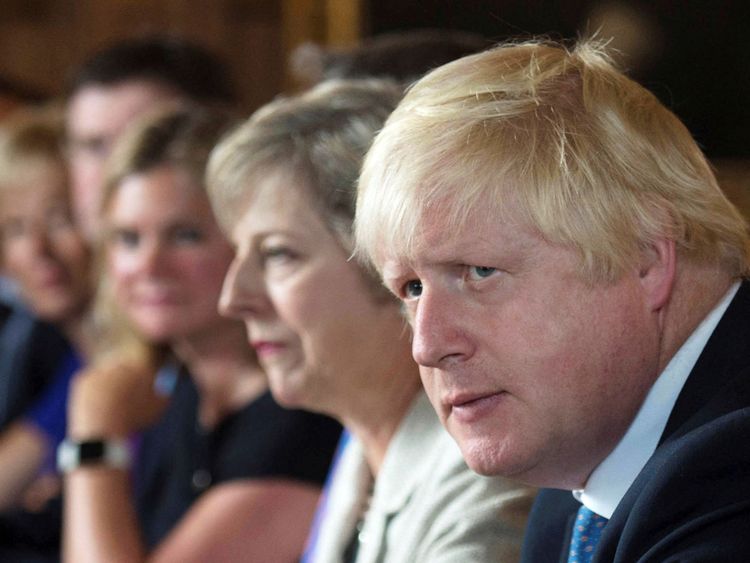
[(243, 293), (151, 258)]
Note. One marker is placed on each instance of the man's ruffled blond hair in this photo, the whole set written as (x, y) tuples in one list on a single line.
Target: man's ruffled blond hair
[(592, 159)]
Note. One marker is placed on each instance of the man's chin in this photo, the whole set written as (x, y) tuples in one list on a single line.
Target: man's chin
[(478, 455), (489, 456)]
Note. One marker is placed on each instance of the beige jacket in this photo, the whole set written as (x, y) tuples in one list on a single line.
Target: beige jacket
[(427, 505)]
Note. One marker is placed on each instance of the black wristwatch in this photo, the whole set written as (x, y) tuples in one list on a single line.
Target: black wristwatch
[(112, 452)]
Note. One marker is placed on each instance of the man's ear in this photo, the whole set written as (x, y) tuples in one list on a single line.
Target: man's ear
[(657, 272)]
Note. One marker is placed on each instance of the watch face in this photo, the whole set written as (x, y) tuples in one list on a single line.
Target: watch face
[(90, 451), (111, 453)]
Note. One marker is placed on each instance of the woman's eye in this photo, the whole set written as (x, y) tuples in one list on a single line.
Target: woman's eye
[(128, 239), (14, 228), (277, 254), (412, 289), (187, 236), (59, 219), (480, 272)]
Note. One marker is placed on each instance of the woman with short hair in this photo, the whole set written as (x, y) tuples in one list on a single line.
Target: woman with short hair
[(332, 340)]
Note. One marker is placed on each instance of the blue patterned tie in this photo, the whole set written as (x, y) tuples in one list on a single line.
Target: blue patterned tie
[(586, 532)]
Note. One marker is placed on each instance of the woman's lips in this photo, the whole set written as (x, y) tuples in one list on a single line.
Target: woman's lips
[(265, 348), (157, 297), (157, 302), (52, 277)]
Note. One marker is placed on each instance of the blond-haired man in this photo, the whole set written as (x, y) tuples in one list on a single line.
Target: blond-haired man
[(573, 276)]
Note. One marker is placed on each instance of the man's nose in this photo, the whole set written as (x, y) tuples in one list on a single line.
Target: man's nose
[(438, 334)]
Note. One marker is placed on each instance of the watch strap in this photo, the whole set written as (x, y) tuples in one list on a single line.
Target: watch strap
[(111, 452)]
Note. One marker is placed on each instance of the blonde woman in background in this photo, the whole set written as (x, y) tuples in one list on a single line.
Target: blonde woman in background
[(49, 262), (226, 474)]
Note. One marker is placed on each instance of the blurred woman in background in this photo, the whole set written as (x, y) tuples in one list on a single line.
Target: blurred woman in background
[(226, 474), (49, 262)]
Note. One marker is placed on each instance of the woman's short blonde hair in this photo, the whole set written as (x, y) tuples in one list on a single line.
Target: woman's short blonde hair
[(319, 138), (29, 140), (592, 159), (30, 145)]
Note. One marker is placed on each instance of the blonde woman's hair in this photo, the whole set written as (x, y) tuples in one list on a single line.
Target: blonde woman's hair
[(591, 159), (29, 140)]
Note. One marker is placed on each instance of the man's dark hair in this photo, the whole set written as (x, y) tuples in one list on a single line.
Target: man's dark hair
[(21, 91), (403, 56), (190, 69)]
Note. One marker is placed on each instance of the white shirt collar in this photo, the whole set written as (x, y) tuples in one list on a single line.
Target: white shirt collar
[(610, 480)]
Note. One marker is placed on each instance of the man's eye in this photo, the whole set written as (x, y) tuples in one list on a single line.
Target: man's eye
[(93, 147), (480, 272), (412, 289)]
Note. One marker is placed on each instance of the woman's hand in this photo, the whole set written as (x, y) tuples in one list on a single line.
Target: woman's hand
[(43, 489), (114, 399)]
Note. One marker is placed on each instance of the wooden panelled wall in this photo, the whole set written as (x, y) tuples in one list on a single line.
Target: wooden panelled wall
[(41, 40)]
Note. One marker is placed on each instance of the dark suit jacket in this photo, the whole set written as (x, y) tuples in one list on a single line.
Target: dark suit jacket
[(691, 502)]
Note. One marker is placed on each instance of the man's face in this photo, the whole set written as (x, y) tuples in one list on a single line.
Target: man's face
[(96, 117), (534, 372)]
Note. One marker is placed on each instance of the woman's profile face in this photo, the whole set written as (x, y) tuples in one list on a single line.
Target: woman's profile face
[(308, 310), (42, 249), (166, 255)]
